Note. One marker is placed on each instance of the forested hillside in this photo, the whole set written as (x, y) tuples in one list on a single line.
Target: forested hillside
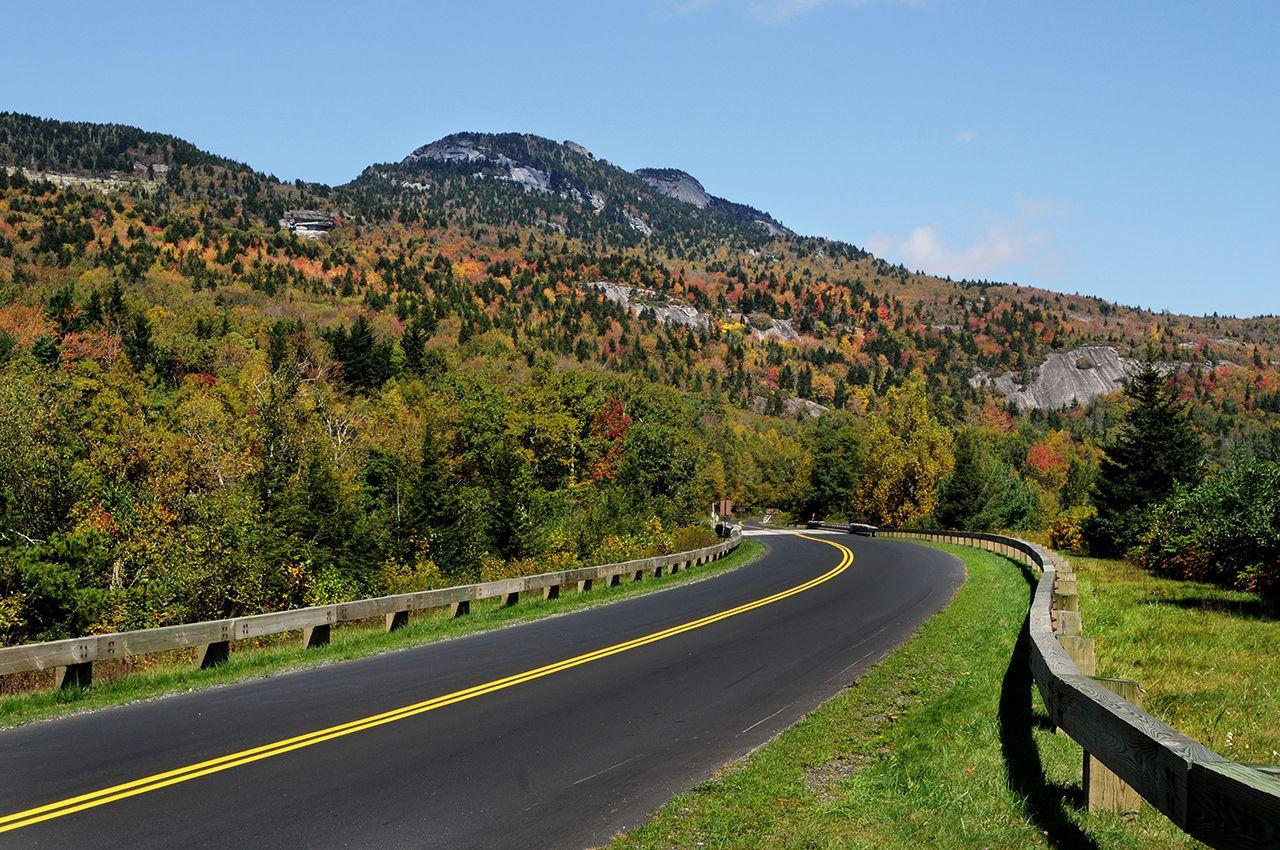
[(205, 412)]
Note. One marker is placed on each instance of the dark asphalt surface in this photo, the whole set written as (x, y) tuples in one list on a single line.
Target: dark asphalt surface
[(563, 761)]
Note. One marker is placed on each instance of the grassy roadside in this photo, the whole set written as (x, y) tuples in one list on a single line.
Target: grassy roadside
[(1205, 656), (348, 642), (942, 744)]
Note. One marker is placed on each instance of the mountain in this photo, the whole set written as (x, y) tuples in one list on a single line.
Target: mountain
[(518, 179), (684, 187), (82, 148), (564, 252)]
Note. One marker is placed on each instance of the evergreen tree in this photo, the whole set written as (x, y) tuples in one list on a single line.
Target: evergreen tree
[(1157, 448), (983, 493), (412, 343), (366, 362), (137, 341), (278, 346)]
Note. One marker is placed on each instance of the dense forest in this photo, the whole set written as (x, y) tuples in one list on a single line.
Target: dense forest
[(204, 412)]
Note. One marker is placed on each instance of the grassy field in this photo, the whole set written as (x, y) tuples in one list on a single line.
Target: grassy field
[(349, 641), (1207, 658), (943, 744)]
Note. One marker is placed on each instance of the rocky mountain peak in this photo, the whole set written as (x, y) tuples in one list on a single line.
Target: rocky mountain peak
[(455, 148), (677, 184)]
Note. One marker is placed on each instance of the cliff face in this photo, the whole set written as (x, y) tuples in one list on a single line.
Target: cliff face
[(676, 184), (1064, 379)]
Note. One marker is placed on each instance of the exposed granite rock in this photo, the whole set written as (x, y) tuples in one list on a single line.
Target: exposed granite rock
[(454, 150), (637, 223), (677, 184), (577, 148), (764, 326), (773, 229), (664, 308), (1064, 379), (791, 406), (104, 183), (309, 224)]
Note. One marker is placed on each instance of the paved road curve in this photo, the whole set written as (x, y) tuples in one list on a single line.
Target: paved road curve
[(562, 746)]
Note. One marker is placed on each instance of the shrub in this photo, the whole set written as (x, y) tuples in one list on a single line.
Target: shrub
[(1225, 530), (1067, 531)]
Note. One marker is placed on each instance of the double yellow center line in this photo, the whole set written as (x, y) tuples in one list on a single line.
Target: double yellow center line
[(157, 781)]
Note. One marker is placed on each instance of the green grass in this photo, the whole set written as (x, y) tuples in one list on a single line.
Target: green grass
[(348, 642), (1207, 658), (943, 744)]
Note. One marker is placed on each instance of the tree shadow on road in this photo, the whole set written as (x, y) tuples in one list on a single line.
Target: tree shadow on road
[(1043, 801)]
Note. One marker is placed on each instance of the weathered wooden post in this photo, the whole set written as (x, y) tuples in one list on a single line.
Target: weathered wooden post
[(460, 609), (1082, 651), (1105, 791), (397, 620), (584, 585), (551, 591), (1068, 622), (74, 676), (1065, 597), (510, 599), (213, 654), (314, 637)]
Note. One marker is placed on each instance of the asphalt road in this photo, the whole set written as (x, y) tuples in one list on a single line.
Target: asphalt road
[(564, 758)]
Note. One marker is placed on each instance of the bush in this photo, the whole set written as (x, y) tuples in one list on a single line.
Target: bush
[(1225, 530), (1067, 531)]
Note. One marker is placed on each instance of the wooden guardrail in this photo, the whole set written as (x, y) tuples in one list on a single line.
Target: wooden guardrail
[(1218, 801), (73, 657)]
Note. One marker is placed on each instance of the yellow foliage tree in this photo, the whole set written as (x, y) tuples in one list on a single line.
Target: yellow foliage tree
[(909, 453)]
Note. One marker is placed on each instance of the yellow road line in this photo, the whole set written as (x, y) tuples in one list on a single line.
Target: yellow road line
[(157, 781)]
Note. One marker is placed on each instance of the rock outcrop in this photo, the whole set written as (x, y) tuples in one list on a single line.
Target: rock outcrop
[(677, 184), (1065, 378), (639, 300), (456, 150), (309, 224), (577, 148)]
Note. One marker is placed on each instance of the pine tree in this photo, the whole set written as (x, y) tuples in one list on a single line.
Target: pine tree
[(137, 343), (412, 343), (983, 493), (1157, 448)]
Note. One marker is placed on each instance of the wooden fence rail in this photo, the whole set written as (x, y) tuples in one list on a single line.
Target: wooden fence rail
[(73, 657), (1218, 801)]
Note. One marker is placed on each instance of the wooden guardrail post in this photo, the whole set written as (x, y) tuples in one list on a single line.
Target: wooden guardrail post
[(1068, 622), (315, 636), (551, 591), (397, 620), (1105, 791), (1066, 600), (585, 585), (1082, 651), (615, 580), (460, 609), (74, 676), (510, 599), (213, 654)]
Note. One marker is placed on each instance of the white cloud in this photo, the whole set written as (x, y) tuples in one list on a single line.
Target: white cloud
[(778, 12), (964, 137), (1003, 248)]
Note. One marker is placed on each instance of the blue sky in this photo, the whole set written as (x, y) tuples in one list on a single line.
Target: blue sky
[(1127, 150)]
